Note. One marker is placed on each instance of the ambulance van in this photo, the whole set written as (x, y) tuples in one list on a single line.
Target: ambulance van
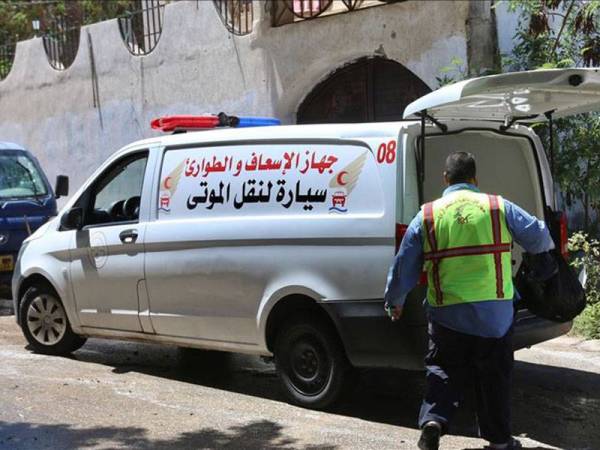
[(276, 241)]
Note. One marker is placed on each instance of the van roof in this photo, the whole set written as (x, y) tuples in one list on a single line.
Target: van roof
[(9, 146), (321, 131)]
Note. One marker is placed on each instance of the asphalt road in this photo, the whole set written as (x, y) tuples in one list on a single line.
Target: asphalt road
[(114, 395)]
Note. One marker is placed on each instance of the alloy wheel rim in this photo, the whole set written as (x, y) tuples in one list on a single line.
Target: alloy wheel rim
[(46, 320)]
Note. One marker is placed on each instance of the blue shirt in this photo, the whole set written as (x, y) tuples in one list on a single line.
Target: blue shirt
[(491, 318)]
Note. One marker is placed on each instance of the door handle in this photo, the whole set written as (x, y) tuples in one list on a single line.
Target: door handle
[(128, 236)]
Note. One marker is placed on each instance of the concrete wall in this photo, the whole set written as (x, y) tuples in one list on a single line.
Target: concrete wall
[(506, 22), (198, 66), (482, 42)]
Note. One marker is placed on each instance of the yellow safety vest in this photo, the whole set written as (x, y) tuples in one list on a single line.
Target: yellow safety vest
[(467, 249)]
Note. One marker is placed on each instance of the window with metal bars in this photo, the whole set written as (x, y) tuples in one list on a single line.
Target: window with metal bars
[(290, 11), (141, 26), (307, 9), (7, 56), (237, 15), (61, 41)]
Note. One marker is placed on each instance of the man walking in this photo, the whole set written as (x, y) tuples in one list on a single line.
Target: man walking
[(463, 241)]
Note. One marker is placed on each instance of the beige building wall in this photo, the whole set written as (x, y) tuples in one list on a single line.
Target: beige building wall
[(198, 66)]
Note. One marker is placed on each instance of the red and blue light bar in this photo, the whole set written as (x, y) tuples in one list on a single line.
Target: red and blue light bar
[(209, 121), (245, 122)]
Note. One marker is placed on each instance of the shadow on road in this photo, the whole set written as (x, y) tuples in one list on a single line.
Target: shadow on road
[(557, 406), (6, 307), (256, 435)]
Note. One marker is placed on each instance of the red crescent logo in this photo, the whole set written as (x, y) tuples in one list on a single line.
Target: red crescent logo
[(340, 178), (167, 183)]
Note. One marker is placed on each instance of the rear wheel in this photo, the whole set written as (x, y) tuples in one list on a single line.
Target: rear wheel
[(45, 324), (310, 362)]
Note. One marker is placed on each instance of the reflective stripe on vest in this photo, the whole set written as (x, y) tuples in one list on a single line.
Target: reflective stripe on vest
[(430, 232), (485, 235), (494, 210)]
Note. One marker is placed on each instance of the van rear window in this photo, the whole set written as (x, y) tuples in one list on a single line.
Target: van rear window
[(306, 179)]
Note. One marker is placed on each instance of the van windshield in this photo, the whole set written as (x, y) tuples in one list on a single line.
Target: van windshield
[(19, 177)]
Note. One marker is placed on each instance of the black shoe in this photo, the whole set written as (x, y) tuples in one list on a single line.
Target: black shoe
[(513, 444), (430, 436)]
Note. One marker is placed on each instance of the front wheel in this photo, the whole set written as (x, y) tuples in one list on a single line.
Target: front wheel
[(45, 324), (311, 362)]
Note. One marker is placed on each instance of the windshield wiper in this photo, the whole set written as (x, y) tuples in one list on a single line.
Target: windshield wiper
[(36, 194)]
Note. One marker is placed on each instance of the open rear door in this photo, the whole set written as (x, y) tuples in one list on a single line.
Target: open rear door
[(526, 97), (530, 96), (506, 99)]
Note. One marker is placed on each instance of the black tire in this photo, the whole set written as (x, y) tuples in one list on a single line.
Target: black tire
[(311, 363), (47, 341)]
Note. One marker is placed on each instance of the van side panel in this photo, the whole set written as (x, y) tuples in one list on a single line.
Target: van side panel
[(236, 223)]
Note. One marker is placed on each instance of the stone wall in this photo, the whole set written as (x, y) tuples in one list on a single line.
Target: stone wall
[(198, 66)]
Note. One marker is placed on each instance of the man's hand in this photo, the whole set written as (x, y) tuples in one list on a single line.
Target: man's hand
[(394, 312)]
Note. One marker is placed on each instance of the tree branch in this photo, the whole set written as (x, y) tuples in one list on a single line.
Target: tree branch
[(562, 27)]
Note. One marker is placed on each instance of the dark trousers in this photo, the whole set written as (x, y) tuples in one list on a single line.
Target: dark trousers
[(456, 362)]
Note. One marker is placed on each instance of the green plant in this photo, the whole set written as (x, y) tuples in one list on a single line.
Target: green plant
[(559, 34), (588, 256), (17, 16), (453, 72)]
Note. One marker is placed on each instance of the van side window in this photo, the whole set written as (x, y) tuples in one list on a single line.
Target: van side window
[(115, 196)]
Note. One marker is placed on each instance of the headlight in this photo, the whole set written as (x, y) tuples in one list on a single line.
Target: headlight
[(3, 237)]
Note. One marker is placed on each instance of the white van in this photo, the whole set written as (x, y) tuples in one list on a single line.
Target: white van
[(277, 241)]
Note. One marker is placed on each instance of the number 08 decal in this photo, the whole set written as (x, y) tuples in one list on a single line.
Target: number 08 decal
[(386, 153)]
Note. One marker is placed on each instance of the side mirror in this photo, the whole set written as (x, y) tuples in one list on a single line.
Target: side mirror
[(72, 219), (61, 188)]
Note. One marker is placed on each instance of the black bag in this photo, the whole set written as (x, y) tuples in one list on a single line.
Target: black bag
[(558, 297)]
